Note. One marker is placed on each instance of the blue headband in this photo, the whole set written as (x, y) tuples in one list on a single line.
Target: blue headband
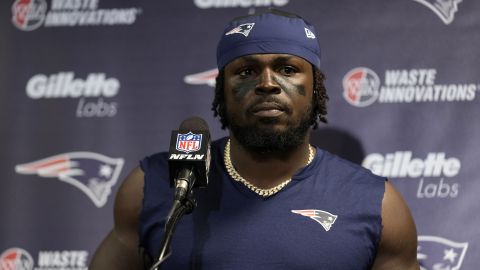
[(268, 33)]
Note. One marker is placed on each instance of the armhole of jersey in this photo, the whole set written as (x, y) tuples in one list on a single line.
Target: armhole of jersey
[(141, 241), (380, 228)]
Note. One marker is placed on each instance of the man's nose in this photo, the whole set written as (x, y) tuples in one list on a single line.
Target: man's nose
[(267, 83)]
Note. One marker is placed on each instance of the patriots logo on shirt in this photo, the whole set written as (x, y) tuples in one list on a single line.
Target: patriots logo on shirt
[(325, 218), (94, 174), (243, 29), (438, 253), (445, 9)]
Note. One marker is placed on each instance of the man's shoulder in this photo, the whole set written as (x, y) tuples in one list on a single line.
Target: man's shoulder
[(153, 161), (339, 165)]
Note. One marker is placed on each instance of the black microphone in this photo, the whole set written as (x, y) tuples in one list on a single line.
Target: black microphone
[(189, 156), (189, 163)]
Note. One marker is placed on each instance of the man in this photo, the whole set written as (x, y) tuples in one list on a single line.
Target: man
[(273, 201)]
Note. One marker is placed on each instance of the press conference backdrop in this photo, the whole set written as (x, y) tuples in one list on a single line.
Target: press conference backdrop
[(89, 87)]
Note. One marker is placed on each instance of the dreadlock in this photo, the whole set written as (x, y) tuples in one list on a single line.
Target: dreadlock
[(319, 102)]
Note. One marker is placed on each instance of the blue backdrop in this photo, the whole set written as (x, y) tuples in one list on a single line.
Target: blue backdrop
[(89, 87)]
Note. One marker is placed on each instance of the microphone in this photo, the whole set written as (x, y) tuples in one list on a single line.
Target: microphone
[(188, 164), (189, 156)]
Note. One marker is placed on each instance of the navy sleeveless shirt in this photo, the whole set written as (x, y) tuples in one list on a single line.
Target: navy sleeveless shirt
[(327, 217)]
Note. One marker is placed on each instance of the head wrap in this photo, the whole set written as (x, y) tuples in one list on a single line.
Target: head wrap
[(269, 32)]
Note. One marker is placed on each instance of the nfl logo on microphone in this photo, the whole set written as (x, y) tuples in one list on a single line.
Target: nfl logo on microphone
[(189, 142)]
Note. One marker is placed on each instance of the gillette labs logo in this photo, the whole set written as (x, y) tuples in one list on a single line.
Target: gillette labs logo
[(436, 171), (91, 91), (401, 164)]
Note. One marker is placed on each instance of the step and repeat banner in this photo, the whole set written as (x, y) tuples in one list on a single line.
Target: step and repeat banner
[(89, 87)]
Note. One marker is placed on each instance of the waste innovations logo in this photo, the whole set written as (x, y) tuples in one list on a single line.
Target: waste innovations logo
[(445, 9), (20, 259), (435, 252), (16, 259), (28, 15), (94, 174), (362, 87), (238, 3), (435, 171), (92, 92)]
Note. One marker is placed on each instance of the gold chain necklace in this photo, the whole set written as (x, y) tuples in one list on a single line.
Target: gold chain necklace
[(260, 191)]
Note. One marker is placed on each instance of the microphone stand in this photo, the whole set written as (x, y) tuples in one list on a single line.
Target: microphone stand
[(180, 207)]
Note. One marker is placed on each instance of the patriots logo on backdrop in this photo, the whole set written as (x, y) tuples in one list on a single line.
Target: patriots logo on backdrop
[(205, 77), (437, 253), (445, 9), (325, 218), (94, 174), (243, 29)]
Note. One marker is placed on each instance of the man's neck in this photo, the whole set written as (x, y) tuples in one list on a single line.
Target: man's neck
[(268, 169)]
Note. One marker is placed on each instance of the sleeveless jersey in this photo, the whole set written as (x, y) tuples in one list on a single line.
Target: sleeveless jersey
[(327, 217)]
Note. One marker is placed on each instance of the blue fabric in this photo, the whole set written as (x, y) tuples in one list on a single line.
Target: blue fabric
[(233, 228), (268, 33)]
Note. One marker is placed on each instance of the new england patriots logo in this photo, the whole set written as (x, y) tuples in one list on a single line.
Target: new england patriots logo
[(243, 29), (437, 253), (205, 77), (92, 173), (445, 9), (325, 218)]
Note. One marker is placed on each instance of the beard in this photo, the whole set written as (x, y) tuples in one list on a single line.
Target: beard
[(259, 137)]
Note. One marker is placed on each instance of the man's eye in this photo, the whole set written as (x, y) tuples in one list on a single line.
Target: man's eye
[(245, 72), (288, 70)]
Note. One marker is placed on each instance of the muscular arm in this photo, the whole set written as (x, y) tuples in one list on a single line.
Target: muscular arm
[(119, 250), (398, 244)]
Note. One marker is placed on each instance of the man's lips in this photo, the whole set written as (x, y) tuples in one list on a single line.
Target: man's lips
[(268, 109)]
